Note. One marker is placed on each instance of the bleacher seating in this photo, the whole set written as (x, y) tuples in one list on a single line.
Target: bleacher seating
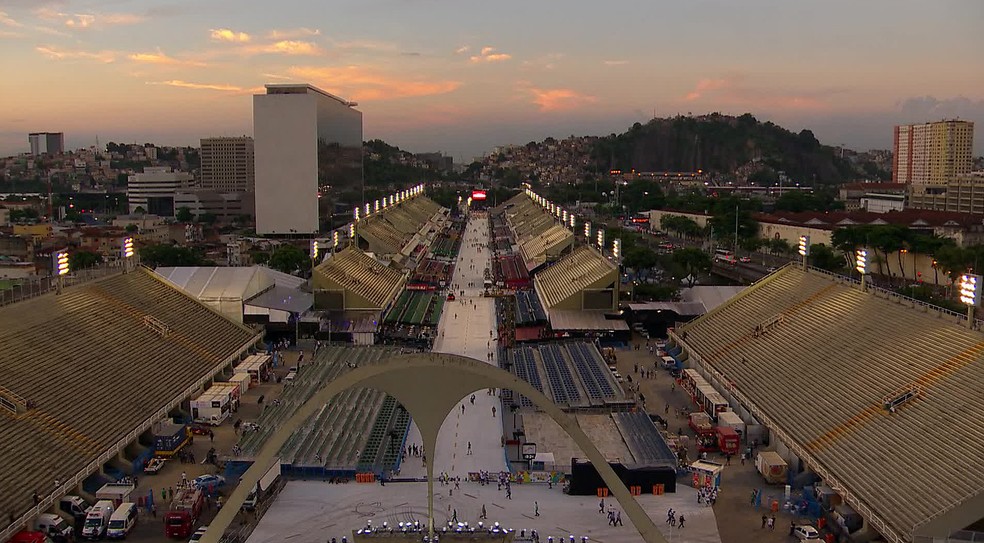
[(351, 422), (87, 352), (590, 368), (582, 268), (645, 442), (529, 310), (390, 230), (366, 279), (590, 374), (545, 246), (559, 376), (822, 372)]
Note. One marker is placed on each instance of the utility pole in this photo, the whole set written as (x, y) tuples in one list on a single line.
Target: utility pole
[(736, 229)]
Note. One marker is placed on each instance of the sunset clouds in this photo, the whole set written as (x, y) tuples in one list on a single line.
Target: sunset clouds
[(489, 54), (364, 84), (551, 100), (226, 35)]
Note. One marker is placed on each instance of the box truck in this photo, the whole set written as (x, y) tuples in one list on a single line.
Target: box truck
[(771, 466)]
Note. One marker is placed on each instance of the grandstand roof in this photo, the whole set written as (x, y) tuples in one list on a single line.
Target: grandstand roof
[(547, 246), (99, 362), (562, 283), (573, 320), (391, 229), (819, 372), (366, 283)]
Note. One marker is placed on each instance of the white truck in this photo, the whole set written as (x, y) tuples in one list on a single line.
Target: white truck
[(97, 520), (53, 526), (117, 493)]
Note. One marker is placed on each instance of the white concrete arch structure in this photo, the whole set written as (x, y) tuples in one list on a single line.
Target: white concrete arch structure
[(429, 385)]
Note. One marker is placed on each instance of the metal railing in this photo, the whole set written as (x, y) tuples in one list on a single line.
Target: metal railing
[(889, 532), (76, 480), (37, 286)]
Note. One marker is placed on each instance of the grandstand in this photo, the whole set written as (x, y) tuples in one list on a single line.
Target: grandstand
[(432, 274), (392, 229), (416, 308), (571, 374), (645, 442), (130, 345), (359, 430), (352, 280), (879, 397), (584, 279), (447, 244), (529, 311), (512, 272), (545, 247)]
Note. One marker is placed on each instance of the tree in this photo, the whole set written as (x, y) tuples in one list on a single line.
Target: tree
[(170, 255), (139, 210), (779, 246), (823, 257), (131, 229), (260, 257), (289, 259), (183, 214), (80, 260), (692, 261), (208, 218)]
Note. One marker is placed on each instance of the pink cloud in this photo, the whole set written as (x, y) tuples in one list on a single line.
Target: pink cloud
[(488, 54), (55, 53), (706, 85), (360, 84), (198, 86), (158, 57), (292, 33), (560, 99), (289, 47), (78, 21), (226, 35), (6, 20), (732, 91)]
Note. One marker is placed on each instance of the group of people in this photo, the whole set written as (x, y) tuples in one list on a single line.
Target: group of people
[(707, 496), (614, 516), (672, 520)]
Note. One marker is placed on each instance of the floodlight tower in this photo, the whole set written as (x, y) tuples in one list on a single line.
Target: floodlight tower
[(970, 294), (861, 264), (60, 267), (126, 251), (804, 249)]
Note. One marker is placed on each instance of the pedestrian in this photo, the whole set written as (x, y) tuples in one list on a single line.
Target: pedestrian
[(484, 513), (211, 436), (772, 523), (792, 528), (153, 509), (469, 447), (493, 411), (536, 509), (682, 520), (765, 520), (454, 516), (601, 506)]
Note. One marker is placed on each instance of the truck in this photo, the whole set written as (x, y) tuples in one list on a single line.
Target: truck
[(728, 440), (216, 404), (30, 536), (701, 424), (117, 493), (262, 487), (54, 527), (97, 520), (169, 438), (179, 521), (771, 466), (730, 418), (75, 506)]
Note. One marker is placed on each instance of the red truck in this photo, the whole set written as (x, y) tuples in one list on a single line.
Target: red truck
[(702, 426), (728, 440), (179, 521)]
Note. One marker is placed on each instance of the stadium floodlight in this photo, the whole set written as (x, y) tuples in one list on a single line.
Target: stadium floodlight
[(377, 206), (587, 230), (601, 239), (564, 219), (391, 199), (351, 230), (970, 292), (356, 214), (61, 262), (616, 248), (334, 239), (572, 221), (367, 209), (804, 246), (314, 249), (861, 261), (127, 247)]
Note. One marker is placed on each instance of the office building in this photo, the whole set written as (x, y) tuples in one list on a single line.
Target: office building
[(51, 143), (227, 206), (227, 164), (153, 190), (306, 141), (932, 153)]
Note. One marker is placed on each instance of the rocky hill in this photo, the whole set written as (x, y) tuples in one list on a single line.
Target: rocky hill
[(741, 147)]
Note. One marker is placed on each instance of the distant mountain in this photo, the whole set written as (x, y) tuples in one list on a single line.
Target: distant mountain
[(732, 147)]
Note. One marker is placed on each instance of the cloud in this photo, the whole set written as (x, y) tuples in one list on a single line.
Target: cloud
[(462, 50), (292, 33), (616, 62), (6, 20), (51, 31), (88, 20), (159, 57), (488, 54), (224, 34), (292, 47), (560, 99), (61, 54), (198, 86), (931, 108), (732, 91), (358, 83)]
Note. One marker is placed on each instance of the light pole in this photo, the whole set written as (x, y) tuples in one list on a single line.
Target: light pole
[(970, 294), (861, 264), (804, 248)]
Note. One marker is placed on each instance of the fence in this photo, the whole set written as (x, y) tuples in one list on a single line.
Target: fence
[(36, 286)]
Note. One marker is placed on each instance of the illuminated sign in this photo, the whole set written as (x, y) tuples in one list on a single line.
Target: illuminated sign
[(478, 195)]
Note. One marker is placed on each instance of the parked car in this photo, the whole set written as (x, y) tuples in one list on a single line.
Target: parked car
[(202, 482), (154, 466), (745, 259), (805, 532), (199, 533), (200, 429)]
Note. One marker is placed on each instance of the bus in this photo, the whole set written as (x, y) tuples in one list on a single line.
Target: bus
[(724, 255)]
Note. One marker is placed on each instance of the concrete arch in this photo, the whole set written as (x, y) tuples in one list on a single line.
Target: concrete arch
[(429, 385)]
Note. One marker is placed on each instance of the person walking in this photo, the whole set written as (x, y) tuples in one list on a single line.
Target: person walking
[(484, 513), (601, 506), (765, 521), (153, 509), (682, 520), (469, 447), (536, 509)]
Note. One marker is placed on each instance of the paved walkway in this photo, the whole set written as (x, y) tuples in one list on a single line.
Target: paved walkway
[(314, 512), (466, 328)]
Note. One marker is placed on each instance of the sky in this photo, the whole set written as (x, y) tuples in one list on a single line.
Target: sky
[(464, 76)]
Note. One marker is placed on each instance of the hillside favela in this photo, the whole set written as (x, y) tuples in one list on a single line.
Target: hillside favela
[(727, 260)]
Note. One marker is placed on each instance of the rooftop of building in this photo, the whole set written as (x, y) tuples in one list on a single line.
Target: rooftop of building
[(304, 88)]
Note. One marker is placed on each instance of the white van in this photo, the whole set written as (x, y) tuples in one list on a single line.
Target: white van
[(97, 520), (53, 525), (122, 521)]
